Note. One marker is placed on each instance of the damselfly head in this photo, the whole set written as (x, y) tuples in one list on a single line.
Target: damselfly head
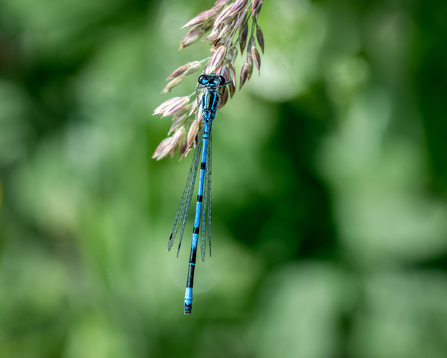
[(212, 79)]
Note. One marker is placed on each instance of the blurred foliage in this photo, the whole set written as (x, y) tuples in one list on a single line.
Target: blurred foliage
[(330, 179)]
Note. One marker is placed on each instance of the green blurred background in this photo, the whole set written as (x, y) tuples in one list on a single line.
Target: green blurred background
[(329, 184)]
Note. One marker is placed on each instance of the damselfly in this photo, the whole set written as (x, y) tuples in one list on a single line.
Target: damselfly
[(202, 219)]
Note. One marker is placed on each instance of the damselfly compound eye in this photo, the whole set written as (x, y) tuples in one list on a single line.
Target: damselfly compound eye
[(222, 81), (203, 80)]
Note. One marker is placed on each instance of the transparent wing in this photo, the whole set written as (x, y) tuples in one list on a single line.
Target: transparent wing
[(185, 201)]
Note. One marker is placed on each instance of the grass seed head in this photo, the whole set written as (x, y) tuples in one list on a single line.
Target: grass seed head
[(254, 6), (218, 5), (178, 122), (176, 106), (238, 6), (175, 82), (226, 26), (182, 146), (166, 104), (171, 148), (216, 59), (192, 133), (257, 10), (192, 36), (256, 58), (244, 74), (243, 37), (260, 38), (250, 65), (224, 98), (161, 147), (187, 69), (200, 19)]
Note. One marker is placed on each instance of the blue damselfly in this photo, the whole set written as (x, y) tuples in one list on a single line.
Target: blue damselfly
[(202, 220)]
